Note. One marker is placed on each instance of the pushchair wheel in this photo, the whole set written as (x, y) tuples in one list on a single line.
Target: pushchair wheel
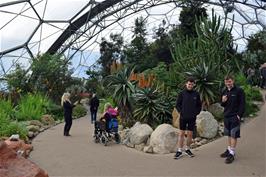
[(96, 139), (104, 141), (117, 138)]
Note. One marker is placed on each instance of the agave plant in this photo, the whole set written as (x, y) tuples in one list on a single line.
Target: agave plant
[(207, 83), (121, 89), (152, 106)]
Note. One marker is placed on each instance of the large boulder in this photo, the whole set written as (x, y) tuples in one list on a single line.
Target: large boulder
[(139, 133), (19, 147), (207, 126), (13, 165), (217, 111), (176, 117), (164, 139)]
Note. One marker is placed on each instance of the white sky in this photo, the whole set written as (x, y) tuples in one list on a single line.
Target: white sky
[(17, 31)]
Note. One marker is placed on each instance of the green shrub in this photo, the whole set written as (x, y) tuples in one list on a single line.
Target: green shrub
[(104, 101), (250, 109), (4, 122), (79, 111), (240, 79), (152, 106), (17, 128), (254, 94), (55, 110), (31, 107), (251, 93), (6, 107), (7, 128)]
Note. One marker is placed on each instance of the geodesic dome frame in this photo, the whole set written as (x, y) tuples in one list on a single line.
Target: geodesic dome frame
[(46, 28)]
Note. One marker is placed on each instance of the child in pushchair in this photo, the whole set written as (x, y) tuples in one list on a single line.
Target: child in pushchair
[(106, 129)]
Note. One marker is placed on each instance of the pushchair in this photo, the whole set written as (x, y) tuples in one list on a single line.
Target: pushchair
[(106, 131)]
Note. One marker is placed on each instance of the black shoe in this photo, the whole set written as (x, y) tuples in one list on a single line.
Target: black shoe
[(189, 153), (230, 158), (67, 134), (225, 154), (178, 155)]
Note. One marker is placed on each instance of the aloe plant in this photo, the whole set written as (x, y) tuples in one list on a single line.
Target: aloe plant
[(121, 89), (152, 106)]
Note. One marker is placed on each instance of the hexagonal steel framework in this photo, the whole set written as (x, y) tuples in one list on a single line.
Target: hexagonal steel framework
[(50, 26)]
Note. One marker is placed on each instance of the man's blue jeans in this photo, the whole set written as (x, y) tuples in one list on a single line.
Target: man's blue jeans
[(93, 116)]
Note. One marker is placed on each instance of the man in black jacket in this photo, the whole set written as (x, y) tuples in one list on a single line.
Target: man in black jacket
[(94, 104), (233, 101), (188, 104)]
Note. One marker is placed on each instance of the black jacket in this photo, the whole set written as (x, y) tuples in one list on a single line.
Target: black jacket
[(235, 104), (68, 107), (188, 104), (94, 104)]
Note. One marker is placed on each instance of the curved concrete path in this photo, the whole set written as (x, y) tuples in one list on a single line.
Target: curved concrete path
[(78, 155)]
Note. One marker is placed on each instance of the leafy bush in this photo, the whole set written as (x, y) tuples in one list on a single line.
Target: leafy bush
[(6, 107), (256, 95), (17, 128), (250, 108), (55, 110), (7, 128), (79, 111), (4, 122), (152, 107), (104, 101), (251, 94), (31, 107)]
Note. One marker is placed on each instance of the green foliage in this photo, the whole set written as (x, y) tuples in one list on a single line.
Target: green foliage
[(4, 121), (240, 79), (206, 82), (213, 45), (31, 107), (17, 80), (93, 83), (159, 50), (250, 107), (251, 93), (7, 128), (121, 89), (110, 51), (49, 75), (17, 128), (137, 53), (152, 106), (188, 17), (79, 111), (104, 101), (257, 42), (7, 107), (165, 75), (55, 110)]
